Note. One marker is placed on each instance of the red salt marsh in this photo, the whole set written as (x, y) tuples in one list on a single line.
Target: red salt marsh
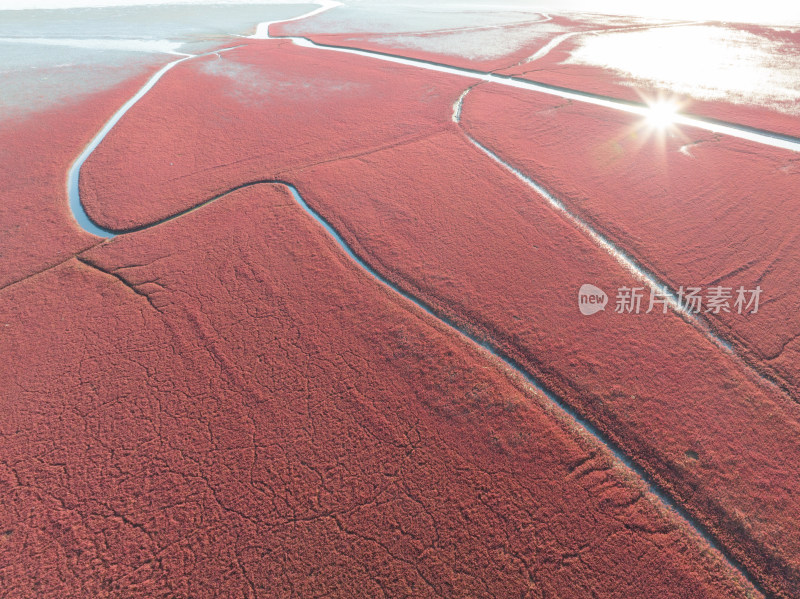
[(483, 48), (439, 218), (223, 401), (483, 249), (734, 73), (692, 207), (265, 108), (38, 229), (227, 405)]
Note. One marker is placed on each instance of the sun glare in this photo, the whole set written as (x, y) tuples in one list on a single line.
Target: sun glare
[(658, 128), (661, 114)]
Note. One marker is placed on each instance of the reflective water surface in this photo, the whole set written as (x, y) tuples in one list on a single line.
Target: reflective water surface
[(709, 62)]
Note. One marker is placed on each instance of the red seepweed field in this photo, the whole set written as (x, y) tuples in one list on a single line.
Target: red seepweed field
[(328, 440), (333, 344), (693, 207), (38, 230), (558, 53)]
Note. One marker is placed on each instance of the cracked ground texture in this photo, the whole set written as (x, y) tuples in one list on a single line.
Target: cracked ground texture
[(36, 228), (442, 221), (225, 405)]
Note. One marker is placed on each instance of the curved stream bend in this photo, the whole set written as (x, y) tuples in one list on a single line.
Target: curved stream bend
[(496, 353), (73, 176), (512, 367)]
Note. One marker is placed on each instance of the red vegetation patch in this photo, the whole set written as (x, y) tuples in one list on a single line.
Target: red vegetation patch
[(227, 405), (265, 108), (444, 222), (472, 240), (38, 230), (552, 67), (694, 208)]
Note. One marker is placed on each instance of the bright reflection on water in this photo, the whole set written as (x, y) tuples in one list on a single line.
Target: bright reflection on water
[(661, 114), (704, 61)]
